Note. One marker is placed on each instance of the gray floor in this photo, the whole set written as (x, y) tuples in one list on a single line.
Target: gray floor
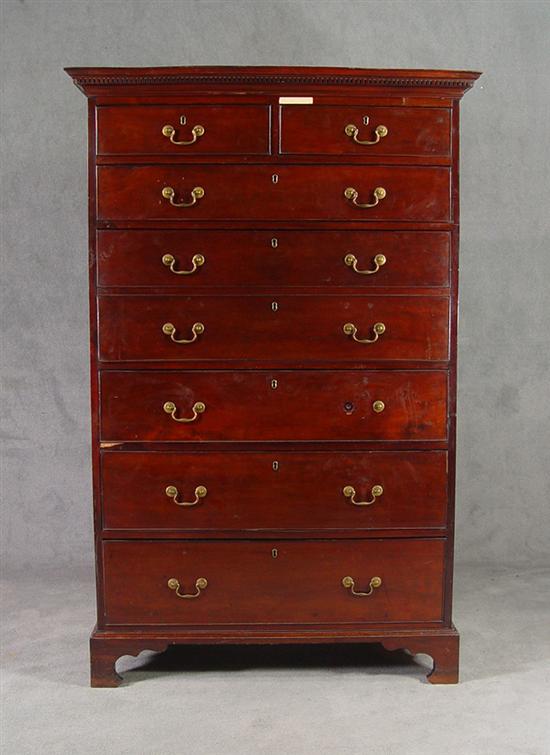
[(339, 700)]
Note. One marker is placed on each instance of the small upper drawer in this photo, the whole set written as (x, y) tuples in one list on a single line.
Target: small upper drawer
[(183, 130), (365, 130)]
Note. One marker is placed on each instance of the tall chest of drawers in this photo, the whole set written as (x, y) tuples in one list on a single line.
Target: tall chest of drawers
[(273, 293)]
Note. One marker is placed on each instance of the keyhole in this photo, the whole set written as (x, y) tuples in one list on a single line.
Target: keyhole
[(274, 243), (274, 552), (275, 178), (274, 383), (274, 306), (183, 120), (366, 120), (275, 466)]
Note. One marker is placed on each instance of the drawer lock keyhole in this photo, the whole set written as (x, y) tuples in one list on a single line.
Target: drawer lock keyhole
[(274, 553)]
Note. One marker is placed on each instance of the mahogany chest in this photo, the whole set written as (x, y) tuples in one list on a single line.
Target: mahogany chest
[(273, 295)]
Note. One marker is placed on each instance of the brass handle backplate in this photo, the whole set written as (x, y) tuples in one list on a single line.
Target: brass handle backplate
[(351, 330), (352, 194), (376, 491), (196, 194), (172, 492), (170, 133), (200, 584), (198, 260), (352, 131), (171, 409), (349, 584), (170, 330), (350, 260)]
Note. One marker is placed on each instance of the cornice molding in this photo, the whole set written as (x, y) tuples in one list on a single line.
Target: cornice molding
[(87, 79)]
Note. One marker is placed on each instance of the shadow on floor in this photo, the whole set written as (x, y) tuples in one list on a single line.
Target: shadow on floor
[(339, 659)]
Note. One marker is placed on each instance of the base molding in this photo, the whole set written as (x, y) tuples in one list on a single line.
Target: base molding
[(106, 646)]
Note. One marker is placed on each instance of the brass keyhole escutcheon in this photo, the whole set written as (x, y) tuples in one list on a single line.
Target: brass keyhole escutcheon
[(275, 466), (274, 384), (274, 243), (275, 178), (274, 306), (274, 553)]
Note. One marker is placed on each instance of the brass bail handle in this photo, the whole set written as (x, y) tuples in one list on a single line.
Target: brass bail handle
[(349, 584), (172, 492), (170, 408), (353, 195), (351, 330), (200, 584), (197, 329), (350, 260), (376, 491), (352, 131), (170, 133), (196, 194), (197, 260)]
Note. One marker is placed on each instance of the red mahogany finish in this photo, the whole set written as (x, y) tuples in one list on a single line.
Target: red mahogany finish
[(321, 130), (277, 490), (249, 192), (286, 582), (310, 498), (134, 130), (270, 259), (305, 405), (302, 328)]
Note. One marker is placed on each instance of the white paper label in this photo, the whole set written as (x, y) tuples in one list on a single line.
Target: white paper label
[(295, 100)]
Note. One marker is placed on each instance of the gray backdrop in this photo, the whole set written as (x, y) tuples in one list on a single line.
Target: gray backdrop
[(503, 498)]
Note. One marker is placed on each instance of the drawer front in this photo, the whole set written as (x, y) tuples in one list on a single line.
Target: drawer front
[(250, 192), (245, 584), (229, 129), (273, 258), (328, 130), (280, 490), (277, 405), (286, 329)]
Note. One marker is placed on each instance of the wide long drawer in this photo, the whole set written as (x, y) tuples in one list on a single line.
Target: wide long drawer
[(187, 259), (285, 329), (267, 192), (262, 582), (283, 490), (278, 405)]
